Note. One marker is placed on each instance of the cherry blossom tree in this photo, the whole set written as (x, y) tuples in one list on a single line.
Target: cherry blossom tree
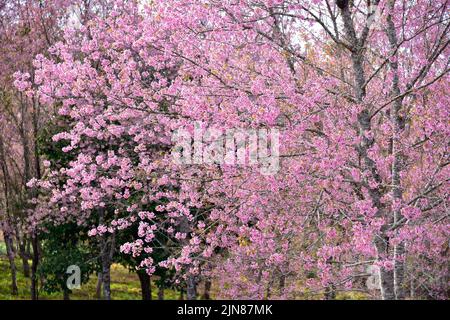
[(357, 91), (27, 28)]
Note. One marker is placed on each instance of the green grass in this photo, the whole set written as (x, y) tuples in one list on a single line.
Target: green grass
[(124, 285), (2, 248)]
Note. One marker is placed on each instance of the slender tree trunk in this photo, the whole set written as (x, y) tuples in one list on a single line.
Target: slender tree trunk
[(412, 289), (106, 269), (7, 225), (27, 175), (107, 251), (12, 264), (146, 285), (330, 292), (28, 250), (106, 276), (37, 173), (282, 283), (207, 290), (98, 290), (386, 275), (191, 288), (161, 292), (191, 285), (381, 241), (34, 266), (399, 271), (399, 249), (181, 297), (268, 291), (386, 284), (24, 256), (66, 295)]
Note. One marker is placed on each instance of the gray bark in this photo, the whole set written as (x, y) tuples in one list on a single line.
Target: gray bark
[(282, 283), (146, 285), (24, 256), (330, 292), (386, 276), (106, 271), (12, 265), (28, 175), (34, 236), (34, 266), (191, 288), (6, 233), (399, 249), (98, 290), (107, 251), (207, 290), (191, 281), (381, 241)]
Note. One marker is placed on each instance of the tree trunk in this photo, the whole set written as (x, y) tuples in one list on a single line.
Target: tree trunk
[(386, 276), (207, 290), (161, 292), (386, 284), (106, 270), (282, 283), (66, 295), (7, 225), (399, 249), (181, 297), (106, 278), (399, 271), (12, 264), (330, 292), (412, 289), (191, 285), (24, 256), (98, 290), (191, 288), (107, 252), (34, 237), (34, 266), (369, 168), (146, 285)]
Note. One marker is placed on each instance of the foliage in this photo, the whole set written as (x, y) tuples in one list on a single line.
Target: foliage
[(62, 246)]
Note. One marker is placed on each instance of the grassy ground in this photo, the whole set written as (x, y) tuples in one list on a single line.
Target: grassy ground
[(2, 248), (124, 285)]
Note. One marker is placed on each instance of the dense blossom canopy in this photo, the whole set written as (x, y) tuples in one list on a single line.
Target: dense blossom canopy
[(358, 94)]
